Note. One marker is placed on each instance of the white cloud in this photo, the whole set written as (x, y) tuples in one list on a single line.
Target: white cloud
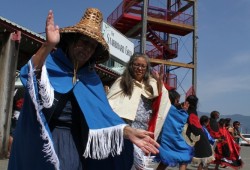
[(218, 85), (241, 59)]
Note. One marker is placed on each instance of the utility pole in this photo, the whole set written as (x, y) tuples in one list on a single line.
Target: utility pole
[(8, 63), (195, 39), (144, 26)]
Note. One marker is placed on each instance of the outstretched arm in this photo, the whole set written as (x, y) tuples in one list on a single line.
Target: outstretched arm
[(242, 137), (143, 139), (52, 38)]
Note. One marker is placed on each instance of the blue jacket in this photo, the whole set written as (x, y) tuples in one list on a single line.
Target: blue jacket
[(33, 146)]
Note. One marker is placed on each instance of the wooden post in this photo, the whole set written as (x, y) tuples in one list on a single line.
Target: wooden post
[(8, 63), (144, 26), (195, 39)]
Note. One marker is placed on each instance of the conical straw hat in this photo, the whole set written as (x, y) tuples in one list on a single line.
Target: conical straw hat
[(90, 25)]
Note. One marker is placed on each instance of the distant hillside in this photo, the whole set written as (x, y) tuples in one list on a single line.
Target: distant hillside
[(244, 120)]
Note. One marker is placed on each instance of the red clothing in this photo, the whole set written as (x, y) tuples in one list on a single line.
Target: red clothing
[(227, 152), (213, 129)]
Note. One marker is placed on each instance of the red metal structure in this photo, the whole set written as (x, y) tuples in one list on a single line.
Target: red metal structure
[(172, 18)]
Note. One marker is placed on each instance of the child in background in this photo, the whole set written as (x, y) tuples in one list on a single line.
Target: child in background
[(204, 121)]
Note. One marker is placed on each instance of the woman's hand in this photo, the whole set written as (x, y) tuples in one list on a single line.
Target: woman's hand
[(52, 31), (185, 105), (52, 38), (220, 140), (143, 139), (159, 78)]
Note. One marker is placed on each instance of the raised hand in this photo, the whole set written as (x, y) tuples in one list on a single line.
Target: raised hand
[(52, 31), (159, 78), (52, 38)]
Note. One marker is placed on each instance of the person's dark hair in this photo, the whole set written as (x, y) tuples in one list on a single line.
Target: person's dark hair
[(235, 123), (214, 113), (193, 102), (227, 122), (173, 95), (127, 84), (66, 40), (204, 119), (221, 122)]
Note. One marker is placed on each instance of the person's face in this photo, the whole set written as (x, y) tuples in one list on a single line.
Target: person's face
[(82, 49), (237, 125), (185, 105), (139, 68), (206, 123), (177, 101), (106, 88), (217, 116)]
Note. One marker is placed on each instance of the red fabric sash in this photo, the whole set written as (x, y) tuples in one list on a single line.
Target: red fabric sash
[(214, 134), (155, 106)]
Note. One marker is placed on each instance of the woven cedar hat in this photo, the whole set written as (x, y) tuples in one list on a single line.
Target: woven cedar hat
[(90, 25)]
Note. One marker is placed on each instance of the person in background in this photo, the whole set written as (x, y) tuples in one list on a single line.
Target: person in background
[(174, 151), (203, 153), (136, 97), (106, 88), (204, 121), (227, 152), (184, 105), (235, 132), (228, 123), (66, 117), (17, 106), (174, 98), (213, 127)]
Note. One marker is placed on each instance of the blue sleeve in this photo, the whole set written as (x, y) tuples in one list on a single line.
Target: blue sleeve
[(210, 138)]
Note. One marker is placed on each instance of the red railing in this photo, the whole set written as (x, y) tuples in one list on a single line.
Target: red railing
[(156, 12), (155, 53), (113, 17), (151, 51), (170, 80), (166, 44), (190, 91)]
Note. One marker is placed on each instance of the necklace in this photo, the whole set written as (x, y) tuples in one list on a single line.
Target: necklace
[(75, 71)]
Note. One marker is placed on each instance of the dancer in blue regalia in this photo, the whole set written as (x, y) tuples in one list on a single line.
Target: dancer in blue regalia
[(174, 150), (66, 116)]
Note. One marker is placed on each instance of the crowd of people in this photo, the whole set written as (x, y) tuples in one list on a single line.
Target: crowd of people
[(69, 120)]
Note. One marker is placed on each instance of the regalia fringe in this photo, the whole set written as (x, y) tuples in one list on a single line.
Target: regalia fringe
[(103, 142), (142, 161), (45, 89), (48, 147)]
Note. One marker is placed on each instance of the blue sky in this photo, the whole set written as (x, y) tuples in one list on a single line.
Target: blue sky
[(223, 80)]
